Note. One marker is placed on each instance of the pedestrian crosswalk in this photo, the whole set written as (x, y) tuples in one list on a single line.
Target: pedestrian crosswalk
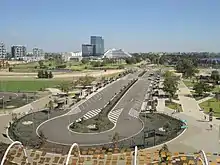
[(91, 114), (114, 115), (133, 113)]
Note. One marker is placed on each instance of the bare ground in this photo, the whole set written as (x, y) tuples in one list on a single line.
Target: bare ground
[(98, 73)]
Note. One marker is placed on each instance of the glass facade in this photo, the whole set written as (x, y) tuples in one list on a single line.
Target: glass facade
[(98, 43), (87, 50)]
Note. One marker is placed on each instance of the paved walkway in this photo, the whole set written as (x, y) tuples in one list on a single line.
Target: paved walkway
[(204, 99), (198, 135)]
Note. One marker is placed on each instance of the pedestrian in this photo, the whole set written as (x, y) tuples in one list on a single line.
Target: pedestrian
[(210, 126), (205, 117)]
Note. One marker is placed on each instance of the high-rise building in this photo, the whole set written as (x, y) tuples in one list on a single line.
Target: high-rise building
[(98, 43), (87, 50), (18, 51), (2, 51), (37, 52)]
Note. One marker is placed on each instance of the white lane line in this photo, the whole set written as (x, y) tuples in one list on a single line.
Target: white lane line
[(114, 115), (133, 113), (91, 114)]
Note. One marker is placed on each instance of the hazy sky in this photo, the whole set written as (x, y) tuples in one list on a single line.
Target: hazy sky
[(134, 25)]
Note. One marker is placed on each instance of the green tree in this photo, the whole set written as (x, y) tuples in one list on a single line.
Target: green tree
[(86, 80), (170, 84), (41, 64), (186, 67), (215, 75), (201, 88), (40, 74), (65, 87), (50, 75), (50, 106), (164, 153), (46, 75)]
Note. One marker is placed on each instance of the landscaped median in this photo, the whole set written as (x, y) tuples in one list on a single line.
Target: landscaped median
[(100, 122), (173, 105)]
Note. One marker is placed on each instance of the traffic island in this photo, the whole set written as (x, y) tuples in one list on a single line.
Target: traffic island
[(100, 122), (174, 106)]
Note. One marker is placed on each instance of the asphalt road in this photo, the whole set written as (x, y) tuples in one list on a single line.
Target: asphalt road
[(56, 130), (7, 95)]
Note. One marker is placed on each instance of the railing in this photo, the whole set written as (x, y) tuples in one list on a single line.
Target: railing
[(205, 162), (8, 149), (70, 151)]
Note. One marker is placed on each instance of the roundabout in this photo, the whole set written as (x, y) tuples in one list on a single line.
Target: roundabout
[(123, 118)]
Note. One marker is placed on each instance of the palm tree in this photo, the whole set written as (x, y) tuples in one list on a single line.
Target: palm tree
[(50, 106), (115, 139)]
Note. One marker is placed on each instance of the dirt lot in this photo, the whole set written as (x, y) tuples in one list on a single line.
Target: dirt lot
[(57, 75)]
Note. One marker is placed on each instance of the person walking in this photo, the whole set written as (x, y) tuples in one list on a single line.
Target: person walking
[(205, 117), (210, 126)]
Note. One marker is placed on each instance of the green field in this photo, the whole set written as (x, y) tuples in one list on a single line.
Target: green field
[(27, 85), (211, 103)]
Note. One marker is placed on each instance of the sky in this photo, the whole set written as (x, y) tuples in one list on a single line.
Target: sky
[(133, 25)]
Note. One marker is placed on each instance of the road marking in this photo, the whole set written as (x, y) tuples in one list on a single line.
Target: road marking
[(91, 114), (114, 115), (133, 113)]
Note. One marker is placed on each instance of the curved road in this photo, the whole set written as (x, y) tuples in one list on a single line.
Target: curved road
[(56, 129)]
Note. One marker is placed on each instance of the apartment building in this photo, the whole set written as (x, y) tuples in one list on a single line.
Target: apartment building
[(18, 51), (3, 53)]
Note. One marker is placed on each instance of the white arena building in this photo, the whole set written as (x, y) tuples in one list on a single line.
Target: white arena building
[(116, 53)]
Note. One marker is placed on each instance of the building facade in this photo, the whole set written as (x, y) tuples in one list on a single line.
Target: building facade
[(37, 52), (3, 53), (72, 56), (87, 50), (18, 51), (98, 43)]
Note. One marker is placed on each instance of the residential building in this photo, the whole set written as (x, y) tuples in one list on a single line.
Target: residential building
[(18, 51), (87, 50), (3, 53), (98, 43), (37, 52)]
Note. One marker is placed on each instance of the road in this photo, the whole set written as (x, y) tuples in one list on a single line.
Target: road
[(56, 130)]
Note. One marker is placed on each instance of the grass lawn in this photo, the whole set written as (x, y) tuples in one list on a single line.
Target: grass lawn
[(173, 106), (27, 85), (211, 103), (189, 84)]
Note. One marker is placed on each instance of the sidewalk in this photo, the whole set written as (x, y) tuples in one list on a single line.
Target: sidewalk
[(204, 99), (198, 135)]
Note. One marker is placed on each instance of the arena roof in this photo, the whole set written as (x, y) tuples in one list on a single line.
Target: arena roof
[(116, 53)]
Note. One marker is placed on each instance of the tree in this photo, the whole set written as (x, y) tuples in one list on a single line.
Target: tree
[(115, 139), (50, 75), (50, 106), (40, 74), (41, 63), (86, 80), (164, 153), (186, 67), (64, 87), (201, 88), (170, 84), (215, 75)]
